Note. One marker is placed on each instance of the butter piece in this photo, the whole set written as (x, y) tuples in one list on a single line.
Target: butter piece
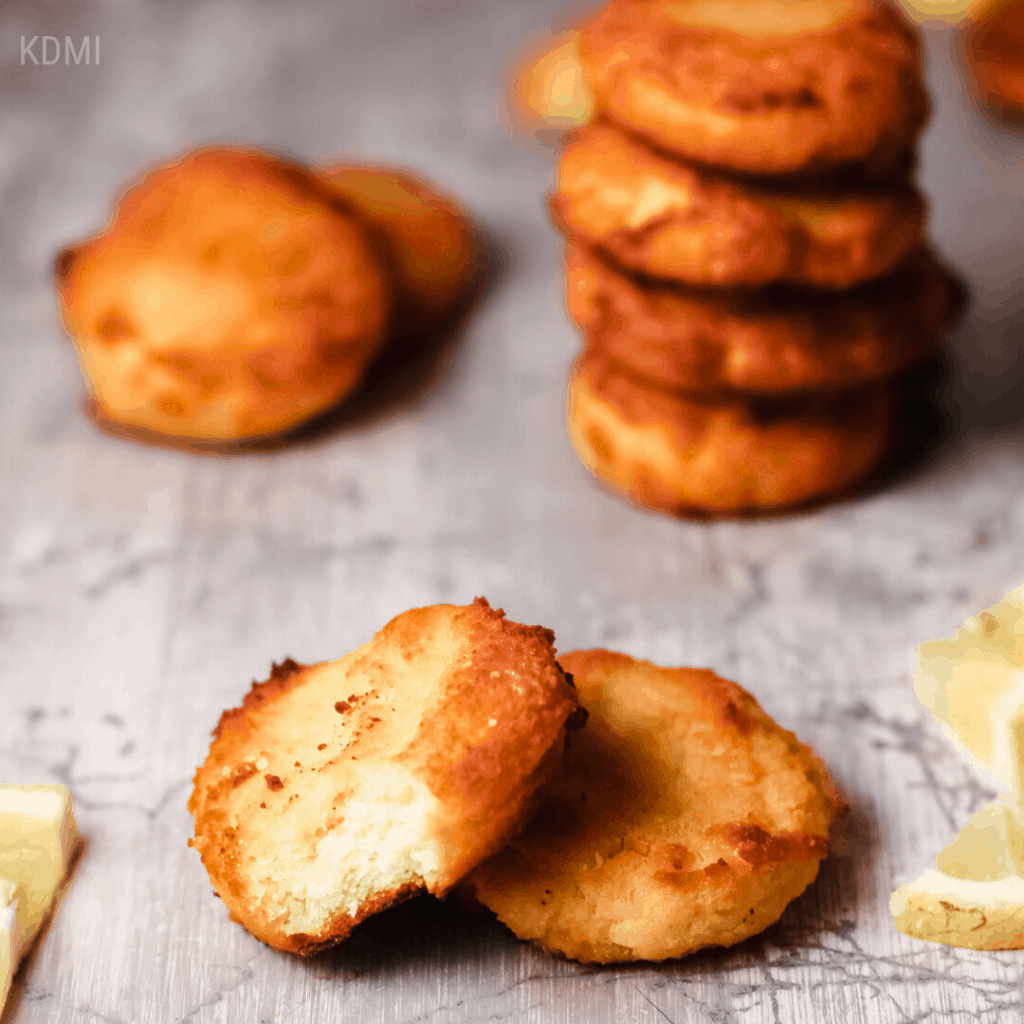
[(12, 931), (973, 684), (37, 839), (989, 848)]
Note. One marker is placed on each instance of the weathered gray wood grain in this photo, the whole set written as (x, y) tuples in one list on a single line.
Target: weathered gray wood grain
[(142, 590)]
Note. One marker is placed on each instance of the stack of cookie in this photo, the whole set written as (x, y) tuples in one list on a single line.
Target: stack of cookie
[(747, 256)]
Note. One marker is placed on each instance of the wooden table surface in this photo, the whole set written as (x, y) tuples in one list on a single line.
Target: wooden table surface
[(141, 590)]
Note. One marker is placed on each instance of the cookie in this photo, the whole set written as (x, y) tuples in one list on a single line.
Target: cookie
[(673, 221), (766, 87), (994, 47), (542, 88), (337, 789), (682, 817), (776, 342), (694, 458), (231, 296), (433, 249)]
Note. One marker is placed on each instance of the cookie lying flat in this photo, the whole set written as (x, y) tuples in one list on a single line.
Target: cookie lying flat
[(669, 220), (682, 817), (433, 249), (702, 340), (340, 788), (697, 459), (231, 296), (769, 86)]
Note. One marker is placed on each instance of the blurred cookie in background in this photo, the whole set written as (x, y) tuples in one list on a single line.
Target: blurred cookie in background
[(770, 342), (725, 456), (673, 220), (228, 297), (433, 250), (772, 87), (994, 52), (543, 90), (235, 296)]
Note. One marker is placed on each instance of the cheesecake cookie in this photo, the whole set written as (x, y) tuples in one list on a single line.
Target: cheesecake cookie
[(231, 296), (699, 340), (433, 250), (673, 221), (337, 789), (731, 458), (682, 817), (768, 86), (994, 46)]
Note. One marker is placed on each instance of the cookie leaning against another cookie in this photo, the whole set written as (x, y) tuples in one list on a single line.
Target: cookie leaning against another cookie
[(762, 86), (701, 459), (779, 342), (669, 220), (682, 817), (339, 788)]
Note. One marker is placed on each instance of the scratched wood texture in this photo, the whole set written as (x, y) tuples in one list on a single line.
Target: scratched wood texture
[(142, 590)]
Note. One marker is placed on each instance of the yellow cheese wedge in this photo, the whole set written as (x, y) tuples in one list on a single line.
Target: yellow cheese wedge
[(12, 931), (973, 685), (37, 839), (975, 898)]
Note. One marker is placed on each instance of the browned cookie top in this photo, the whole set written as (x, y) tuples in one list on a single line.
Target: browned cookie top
[(231, 295), (678, 222), (769, 86), (336, 789)]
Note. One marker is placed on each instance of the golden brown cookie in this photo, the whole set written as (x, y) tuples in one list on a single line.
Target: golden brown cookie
[(337, 789), (230, 296), (763, 86), (995, 58), (770, 343), (433, 249), (542, 88), (682, 817), (698, 459), (670, 220)]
